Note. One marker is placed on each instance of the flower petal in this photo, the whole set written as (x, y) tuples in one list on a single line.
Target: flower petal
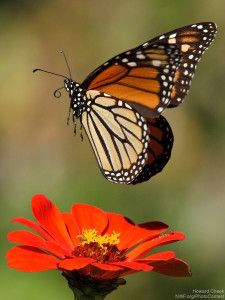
[(34, 227), (140, 233), (76, 263), (137, 266), (107, 267), (30, 239), (118, 223), (30, 259), (144, 248), (174, 267), (165, 255), (131, 234), (155, 227), (50, 218), (103, 272), (89, 217), (72, 227)]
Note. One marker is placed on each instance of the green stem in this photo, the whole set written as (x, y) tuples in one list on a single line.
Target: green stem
[(79, 296), (88, 288)]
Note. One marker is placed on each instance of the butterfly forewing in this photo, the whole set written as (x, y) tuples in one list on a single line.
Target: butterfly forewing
[(192, 41), (159, 148), (143, 77), (118, 135), (157, 73)]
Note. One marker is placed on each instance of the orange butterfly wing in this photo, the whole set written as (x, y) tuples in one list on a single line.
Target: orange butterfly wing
[(143, 77), (193, 42), (157, 73)]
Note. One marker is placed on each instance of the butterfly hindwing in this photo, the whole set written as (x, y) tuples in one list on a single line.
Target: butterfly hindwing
[(118, 135), (159, 148)]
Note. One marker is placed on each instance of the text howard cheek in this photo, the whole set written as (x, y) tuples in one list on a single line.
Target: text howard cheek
[(208, 291)]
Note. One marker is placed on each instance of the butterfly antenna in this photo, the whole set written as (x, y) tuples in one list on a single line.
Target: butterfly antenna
[(35, 70), (68, 67), (57, 93)]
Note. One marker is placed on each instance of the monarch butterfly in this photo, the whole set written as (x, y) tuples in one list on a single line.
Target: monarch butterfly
[(119, 104)]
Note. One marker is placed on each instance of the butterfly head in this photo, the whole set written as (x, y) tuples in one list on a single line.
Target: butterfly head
[(72, 87)]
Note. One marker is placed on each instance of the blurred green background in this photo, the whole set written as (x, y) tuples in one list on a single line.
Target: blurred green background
[(39, 153)]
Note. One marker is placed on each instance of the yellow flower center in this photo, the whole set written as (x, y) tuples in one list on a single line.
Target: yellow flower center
[(91, 235), (103, 248)]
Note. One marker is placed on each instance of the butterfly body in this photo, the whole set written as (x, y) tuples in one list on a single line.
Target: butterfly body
[(120, 103), (78, 99)]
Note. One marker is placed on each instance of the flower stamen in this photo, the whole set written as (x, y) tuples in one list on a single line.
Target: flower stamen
[(103, 248)]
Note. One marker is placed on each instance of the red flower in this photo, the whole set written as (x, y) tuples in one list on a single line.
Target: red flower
[(94, 243)]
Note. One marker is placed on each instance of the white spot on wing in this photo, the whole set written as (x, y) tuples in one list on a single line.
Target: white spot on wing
[(132, 64), (140, 56), (172, 35), (160, 109), (185, 47), (156, 63), (172, 41)]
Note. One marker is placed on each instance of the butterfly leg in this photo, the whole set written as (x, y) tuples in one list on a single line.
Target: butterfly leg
[(75, 126), (68, 117), (81, 134)]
